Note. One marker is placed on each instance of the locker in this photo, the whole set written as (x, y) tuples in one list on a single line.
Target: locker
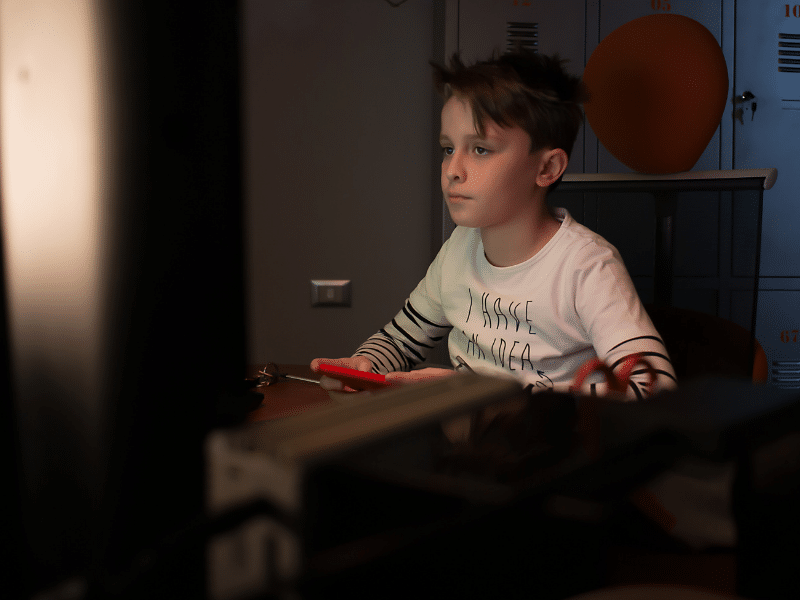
[(768, 132), (779, 330)]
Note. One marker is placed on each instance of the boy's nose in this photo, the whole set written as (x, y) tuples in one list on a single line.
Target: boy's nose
[(454, 170)]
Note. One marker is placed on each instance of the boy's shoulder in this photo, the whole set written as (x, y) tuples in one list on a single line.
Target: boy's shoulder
[(576, 237)]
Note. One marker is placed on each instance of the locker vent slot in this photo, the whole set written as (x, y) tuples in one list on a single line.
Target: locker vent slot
[(786, 374), (782, 51), (522, 34)]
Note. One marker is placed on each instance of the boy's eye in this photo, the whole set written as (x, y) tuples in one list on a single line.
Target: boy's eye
[(481, 151), (447, 150)]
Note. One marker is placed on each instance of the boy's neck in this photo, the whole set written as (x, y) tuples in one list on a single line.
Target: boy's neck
[(515, 242)]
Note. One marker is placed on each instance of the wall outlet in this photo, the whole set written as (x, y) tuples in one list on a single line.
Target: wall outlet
[(330, 292)]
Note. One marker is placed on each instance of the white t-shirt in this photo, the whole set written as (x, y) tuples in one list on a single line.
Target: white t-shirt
[(539, 320)]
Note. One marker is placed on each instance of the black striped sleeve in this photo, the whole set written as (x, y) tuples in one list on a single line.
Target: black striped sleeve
[(404, 342), (652, 349)]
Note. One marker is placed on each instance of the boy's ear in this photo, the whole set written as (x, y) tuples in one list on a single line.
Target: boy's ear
[(553, 164)]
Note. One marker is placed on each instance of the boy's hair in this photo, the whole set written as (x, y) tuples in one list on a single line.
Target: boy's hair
[(520, 88)]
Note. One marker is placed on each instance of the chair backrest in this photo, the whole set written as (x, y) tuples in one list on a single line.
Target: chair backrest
[(700, 345)]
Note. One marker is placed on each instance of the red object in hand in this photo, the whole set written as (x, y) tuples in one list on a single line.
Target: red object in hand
[(616, 382), (358, 380)]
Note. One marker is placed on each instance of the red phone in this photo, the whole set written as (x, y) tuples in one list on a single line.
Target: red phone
[(358, 380)]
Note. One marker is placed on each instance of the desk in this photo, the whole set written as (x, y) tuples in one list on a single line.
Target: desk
[(359, 525), (382, 517), (287, 397)]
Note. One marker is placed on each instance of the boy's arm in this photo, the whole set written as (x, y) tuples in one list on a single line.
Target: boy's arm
[(359, 363), (617, 323), (401, 345), (651, 348), (405, 341), (408, 338)]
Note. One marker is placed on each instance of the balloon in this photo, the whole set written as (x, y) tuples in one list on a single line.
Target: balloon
[(658, 86)]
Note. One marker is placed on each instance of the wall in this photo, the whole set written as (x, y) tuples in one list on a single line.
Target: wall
[(341, 162)]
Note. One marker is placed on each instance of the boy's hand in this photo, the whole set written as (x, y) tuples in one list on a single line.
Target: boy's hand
[(419, 376), (359, 363)]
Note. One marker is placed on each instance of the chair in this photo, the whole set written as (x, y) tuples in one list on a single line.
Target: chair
[(702, 345)]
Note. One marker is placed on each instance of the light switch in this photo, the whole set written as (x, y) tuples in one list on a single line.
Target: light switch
[(330, 292)]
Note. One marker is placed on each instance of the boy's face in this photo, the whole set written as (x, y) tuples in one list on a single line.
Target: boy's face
[(487, 181)]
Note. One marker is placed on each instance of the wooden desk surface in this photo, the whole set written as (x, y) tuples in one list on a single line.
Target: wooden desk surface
[(287, 397)]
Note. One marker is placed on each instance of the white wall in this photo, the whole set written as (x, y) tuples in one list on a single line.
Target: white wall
[(340, 143)]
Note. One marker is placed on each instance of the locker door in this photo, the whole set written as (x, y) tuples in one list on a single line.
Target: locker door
[(768, 66), (614, 13)]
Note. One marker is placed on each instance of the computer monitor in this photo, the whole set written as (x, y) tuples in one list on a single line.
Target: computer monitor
[(122, 232)]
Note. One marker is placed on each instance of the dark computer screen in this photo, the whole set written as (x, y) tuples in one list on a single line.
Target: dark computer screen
[(114, 378)]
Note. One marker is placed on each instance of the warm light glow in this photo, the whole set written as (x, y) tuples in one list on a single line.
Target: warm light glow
[(49, 147), (51, 158)]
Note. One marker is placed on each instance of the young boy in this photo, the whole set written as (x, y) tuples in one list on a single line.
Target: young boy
[(517, 289)]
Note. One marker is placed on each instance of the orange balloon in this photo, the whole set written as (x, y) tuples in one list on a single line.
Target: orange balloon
[(658, 86)]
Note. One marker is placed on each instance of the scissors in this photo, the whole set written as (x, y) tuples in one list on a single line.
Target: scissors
[(271, 374), (617, 382), (462, 364)]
